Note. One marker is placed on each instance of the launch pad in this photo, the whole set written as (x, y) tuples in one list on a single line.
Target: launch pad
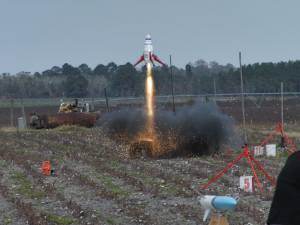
[(141, 148), (218, 219)]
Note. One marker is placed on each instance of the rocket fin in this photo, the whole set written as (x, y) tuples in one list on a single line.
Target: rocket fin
[(206, 213), (140, 60), (158, 60)]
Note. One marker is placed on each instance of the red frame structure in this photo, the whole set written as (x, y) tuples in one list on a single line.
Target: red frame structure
[(279, 130), (252, 163)]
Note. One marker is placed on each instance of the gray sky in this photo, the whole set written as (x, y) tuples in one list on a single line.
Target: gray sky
[(38, 34)]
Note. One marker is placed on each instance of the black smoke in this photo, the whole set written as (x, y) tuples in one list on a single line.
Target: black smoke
[(200, 129)]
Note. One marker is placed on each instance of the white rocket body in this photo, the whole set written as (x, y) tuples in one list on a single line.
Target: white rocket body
[(148, 49)]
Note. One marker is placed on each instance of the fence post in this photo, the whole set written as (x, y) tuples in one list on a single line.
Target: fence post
[(106, 100), (23, 112), (172, 85), (215, 90), (11, 112)]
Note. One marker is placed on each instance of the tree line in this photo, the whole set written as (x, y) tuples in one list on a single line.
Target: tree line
[(199, 77)]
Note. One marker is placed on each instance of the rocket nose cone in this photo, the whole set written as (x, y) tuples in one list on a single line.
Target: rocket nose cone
[(148, 37), (224, 203)]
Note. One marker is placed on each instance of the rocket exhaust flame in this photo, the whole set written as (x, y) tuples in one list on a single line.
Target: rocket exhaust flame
[(149, 92)]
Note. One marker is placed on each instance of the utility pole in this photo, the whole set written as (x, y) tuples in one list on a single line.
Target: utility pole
[(172, 81), (281, 87), (242, 98)]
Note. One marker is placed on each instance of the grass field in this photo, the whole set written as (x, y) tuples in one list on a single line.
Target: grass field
[(97, 183)]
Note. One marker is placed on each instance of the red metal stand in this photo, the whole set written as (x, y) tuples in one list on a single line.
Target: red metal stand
[(251, 161), (279, 130)]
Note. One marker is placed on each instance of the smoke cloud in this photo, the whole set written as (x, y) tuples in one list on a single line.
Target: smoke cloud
[(200, 129)]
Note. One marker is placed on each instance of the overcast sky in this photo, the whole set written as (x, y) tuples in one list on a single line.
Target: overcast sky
[(38, 34)]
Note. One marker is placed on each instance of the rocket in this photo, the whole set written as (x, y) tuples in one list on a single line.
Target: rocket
[(148, 56), (219, 203)]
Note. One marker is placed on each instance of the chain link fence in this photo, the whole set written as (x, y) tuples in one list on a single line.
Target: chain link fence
[(260, 108)]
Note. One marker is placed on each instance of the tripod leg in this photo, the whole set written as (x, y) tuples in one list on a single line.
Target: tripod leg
[(254, 173), (261, 168), (221, 173), (290, 142)]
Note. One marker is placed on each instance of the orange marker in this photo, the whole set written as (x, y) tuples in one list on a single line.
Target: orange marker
[(46, 168)]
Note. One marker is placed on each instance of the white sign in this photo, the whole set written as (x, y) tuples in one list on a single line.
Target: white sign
[(246, 183), (271, 150), (21, 123), (258, 150)]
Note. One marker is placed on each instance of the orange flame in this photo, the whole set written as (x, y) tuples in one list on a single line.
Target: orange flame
[(150, 98)]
